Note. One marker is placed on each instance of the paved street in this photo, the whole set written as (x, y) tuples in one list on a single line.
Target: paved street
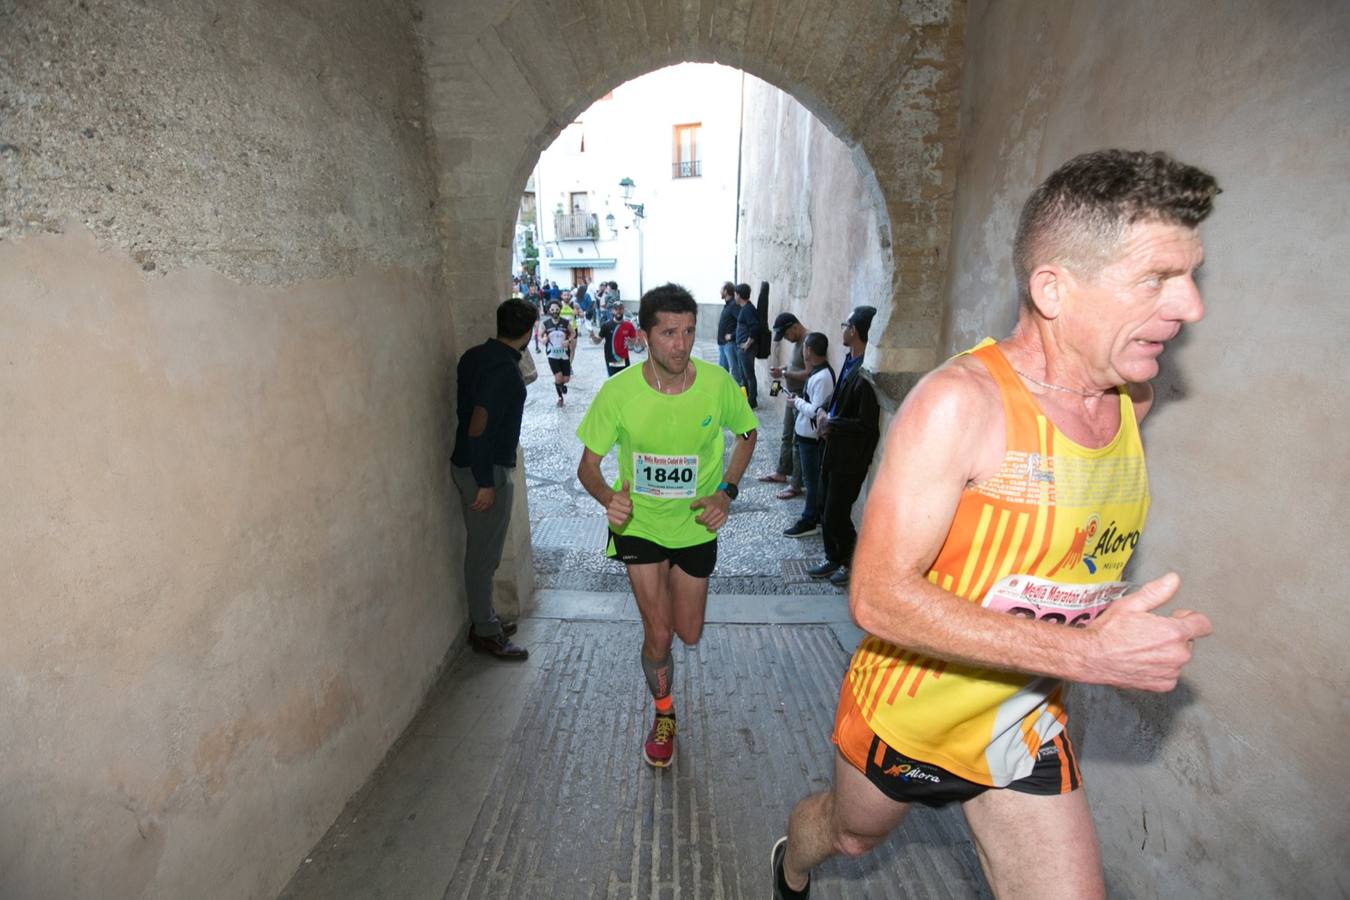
[(569, 527), (526, 780)]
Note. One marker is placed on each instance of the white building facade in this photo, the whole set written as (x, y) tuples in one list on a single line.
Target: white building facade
[(675, 135)]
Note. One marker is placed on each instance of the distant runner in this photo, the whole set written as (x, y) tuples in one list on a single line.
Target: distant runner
[(619, 336), (560, 343)]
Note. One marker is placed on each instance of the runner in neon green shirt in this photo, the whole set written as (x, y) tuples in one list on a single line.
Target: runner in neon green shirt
[(672, 495)]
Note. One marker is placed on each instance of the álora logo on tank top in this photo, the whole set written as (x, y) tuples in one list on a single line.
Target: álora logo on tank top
[(1111, 542)]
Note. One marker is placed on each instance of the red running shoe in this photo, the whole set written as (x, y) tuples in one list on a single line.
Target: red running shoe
[(659, 751)]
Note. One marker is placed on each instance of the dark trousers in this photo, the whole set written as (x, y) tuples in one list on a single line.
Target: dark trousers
[(840, 490), (788, 463), (808, 453), (484, 538), (747, 379)]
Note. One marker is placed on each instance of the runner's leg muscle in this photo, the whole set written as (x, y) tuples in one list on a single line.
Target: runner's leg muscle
[(689, 604), (851, 818), (651, 588), (1035, 847)]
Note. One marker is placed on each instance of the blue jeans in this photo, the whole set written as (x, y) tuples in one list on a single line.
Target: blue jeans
[(808, 450), (724, 357)]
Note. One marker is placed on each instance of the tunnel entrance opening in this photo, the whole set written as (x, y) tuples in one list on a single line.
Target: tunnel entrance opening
[(882, 78), (695, 174)]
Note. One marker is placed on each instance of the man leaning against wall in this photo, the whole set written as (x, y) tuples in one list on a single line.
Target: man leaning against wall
[(490, 406)]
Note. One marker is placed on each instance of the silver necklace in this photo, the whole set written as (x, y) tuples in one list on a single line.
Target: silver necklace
[(657, 379), (1057, 387)]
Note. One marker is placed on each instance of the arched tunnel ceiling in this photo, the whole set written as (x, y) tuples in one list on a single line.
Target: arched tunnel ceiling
[(504, 78)]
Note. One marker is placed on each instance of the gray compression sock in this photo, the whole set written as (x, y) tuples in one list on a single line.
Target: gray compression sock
[(658, 674)]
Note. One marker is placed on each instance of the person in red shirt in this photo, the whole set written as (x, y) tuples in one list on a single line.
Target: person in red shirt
[(619, 336)]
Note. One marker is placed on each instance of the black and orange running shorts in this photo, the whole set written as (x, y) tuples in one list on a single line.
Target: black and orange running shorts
[(908, 780)]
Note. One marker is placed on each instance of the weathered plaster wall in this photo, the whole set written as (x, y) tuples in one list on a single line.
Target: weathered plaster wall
[(227, 556), (812, 221), (1236, 784)]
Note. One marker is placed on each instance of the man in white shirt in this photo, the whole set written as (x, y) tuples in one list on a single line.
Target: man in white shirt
[(814, 397)]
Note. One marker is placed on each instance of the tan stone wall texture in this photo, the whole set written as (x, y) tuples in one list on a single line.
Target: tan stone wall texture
[(227, 554), (1234, 785), (812, 221)]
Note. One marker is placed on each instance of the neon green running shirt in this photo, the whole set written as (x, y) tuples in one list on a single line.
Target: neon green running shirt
[(670, 447)]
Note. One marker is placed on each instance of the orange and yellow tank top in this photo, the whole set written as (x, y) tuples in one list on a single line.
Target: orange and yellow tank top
[(1046, 537)]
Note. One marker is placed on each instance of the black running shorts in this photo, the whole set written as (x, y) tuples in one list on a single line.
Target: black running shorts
[(697, 561), (560, 366)]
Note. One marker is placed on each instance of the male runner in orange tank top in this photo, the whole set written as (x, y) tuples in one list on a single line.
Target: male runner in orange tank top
[(1010, 494)]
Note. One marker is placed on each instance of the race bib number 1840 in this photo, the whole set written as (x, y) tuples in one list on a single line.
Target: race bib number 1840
[(665, 477)]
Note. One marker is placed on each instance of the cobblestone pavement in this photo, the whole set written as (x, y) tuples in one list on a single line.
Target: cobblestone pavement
[(568, 526)]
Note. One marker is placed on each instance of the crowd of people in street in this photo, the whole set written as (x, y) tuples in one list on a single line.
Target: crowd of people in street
[(564, 313), (981, 576)]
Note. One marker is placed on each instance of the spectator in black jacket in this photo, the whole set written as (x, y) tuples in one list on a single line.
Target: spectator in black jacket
[(747, 331), (491, 401), (726, 330), (850, 429)]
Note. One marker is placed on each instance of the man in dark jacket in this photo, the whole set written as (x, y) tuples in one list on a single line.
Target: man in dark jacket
[(747, 331), (850, 429), (726, 330), (491, 402)]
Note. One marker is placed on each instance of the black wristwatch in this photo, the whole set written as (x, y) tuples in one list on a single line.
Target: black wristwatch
[(729, 489)]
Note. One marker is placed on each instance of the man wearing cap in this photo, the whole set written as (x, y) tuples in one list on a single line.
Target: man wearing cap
[(789, 327), (850, 428), (619, 337)]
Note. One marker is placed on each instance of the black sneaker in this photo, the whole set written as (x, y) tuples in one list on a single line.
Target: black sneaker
[(840, 578), (780, 889), (801, 529), (824, 570)]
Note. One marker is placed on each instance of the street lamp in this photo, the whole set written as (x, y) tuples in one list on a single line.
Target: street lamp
[(627, 186)]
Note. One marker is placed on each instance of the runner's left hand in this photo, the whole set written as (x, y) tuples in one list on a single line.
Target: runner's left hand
[(715, 507)]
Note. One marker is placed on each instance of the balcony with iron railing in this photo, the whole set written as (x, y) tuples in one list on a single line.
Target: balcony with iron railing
[(688, 168), (577, 226)]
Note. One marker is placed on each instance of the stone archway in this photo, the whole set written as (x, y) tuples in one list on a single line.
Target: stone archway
[(504, 79)]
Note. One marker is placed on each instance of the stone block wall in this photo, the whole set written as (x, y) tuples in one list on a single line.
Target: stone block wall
[(1234, 785), (228, 550)]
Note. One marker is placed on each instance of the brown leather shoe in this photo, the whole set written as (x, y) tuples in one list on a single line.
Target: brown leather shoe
[(499, 646), (773, 478), (508, 629)]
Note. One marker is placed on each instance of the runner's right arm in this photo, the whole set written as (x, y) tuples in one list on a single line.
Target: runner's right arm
[(618, 504), (948, 434)]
